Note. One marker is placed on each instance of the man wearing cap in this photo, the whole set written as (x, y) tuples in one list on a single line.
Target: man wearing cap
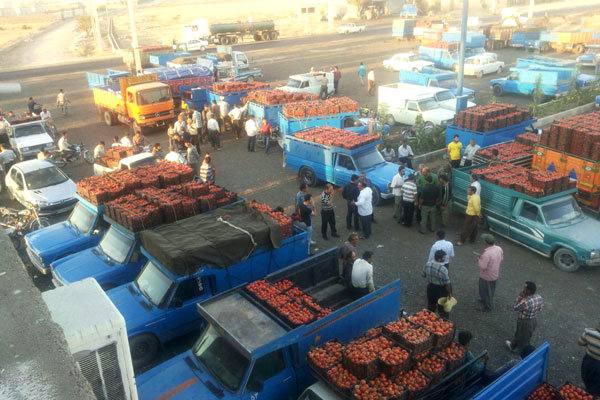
[(438, 282), (590, 365), (489, 271)]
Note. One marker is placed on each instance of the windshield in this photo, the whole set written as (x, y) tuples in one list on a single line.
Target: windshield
[(82, 219), (28, 130), (153, 283), (294, 83), (562, 211), (447, 83), (45, 177), (156, 95), (445, 95), (368, 160), (429, 104), (223, 361), (115, 245)]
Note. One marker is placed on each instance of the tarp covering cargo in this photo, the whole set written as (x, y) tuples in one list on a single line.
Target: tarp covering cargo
[(220, 239)]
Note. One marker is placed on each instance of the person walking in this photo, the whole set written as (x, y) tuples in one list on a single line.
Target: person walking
[(212, 126), (528, 306), (444, 204), (454, 152), (590, 365), (350, 193), (472, 217), (469, 154), (442, 244), (409, 195), (489, 270), (364, 203), (347, 253), (362, 275), (251, 132), (396, 187), (299, 198), (428, 200), (307, 211), (235, 115), (337, 75), (327, 212), (207, 171), (405, 154), (265, 131), (438, 282), (193, 158), (362, 73), (371, 82)]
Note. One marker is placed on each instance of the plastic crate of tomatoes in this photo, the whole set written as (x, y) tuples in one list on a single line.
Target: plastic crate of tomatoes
[(568, 391), (115, 154), (394, 360), (488, 117), (415, 382), (433, 367), (127, 178), (330, 136), (283, 221), (173, 205), (320, 107), (231, 87), (528, 138), (454, 354), (99, 189), (381, 387), (544, 391), (441, 329), (342, 379), (361, 358), (276, 96), (134, 213), (170, 173), (507, 152), (324, 357), (395, 328)]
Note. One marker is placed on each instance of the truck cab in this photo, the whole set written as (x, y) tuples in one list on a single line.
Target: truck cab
[(30, 136), (433, 77), (82, 230), (553, 81), (116, 260), (553, 225), (136, 160), (308, 83)]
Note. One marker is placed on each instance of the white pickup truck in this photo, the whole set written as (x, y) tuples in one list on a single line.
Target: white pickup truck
[(308, 83), (351, 28), (30, 136), (136, 160), (403, 102)]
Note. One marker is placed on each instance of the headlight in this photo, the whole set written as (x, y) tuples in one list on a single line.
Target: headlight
[(41, 203), (49, 146), (24, 148), (142, 117), (595, 254)]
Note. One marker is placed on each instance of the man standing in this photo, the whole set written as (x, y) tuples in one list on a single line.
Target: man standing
[(236, 120), (442, 244), (307, 211), (470, 151), (409, 195), (337, 75), (362, 275), (489, 270), (7, 156), (347, 253), (45, 115), (212, 126), (180, 126), (193, 158), (405, 154), (396, 186), (223, 111), (365, 208), (299, 199), (327, 212), (350, 194), (371, 82), (590, 365), (265, 131), (324, 83), (476, 184), (472, 216), (362, 73), (428, 200), (528, 306), (251, 132), (438, 282), (454, 152), (444, 205)]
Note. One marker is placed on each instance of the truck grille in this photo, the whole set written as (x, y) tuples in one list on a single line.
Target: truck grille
[(158, 114), (101, 369)]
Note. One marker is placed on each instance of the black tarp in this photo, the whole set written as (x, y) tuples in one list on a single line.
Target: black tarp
[(222, 238)]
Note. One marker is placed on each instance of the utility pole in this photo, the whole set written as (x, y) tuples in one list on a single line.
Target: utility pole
[(461, 59), (96, 21), (530, 10), (134, 39), (330, 14)]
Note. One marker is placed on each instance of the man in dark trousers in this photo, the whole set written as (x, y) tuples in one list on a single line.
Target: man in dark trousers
[(350, 194), (337, 75), (438, 282), (590, 365), (428, 200), (528, 306), (347, 253)]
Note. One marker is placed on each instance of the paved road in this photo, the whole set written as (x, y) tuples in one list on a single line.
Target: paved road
[(571, 299)]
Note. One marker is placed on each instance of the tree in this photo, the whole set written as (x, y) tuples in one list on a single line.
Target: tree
[(537, 95), (84, 24)]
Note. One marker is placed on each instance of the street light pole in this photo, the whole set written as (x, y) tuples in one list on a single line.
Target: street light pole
[(134, 39), (463, 40), (96, 22), (530, 10)]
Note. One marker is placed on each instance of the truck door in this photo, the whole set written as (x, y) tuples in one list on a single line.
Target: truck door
[(410, 112), (183, 316), (528, 225), (343, 169), (511, 84), (272, 377)]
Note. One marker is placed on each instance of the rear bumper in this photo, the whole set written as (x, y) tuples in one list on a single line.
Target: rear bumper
[(37, 262)]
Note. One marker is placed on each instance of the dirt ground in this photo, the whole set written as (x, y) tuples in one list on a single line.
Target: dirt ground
[(14, 29)]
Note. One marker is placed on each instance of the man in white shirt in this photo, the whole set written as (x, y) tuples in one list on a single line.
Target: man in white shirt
[(251, 132), (362, 275), (45, 115), (212, 126), (61, 98), (65, 147), (475, 183), (470, 151), (179, 126), (174, 156), (99, 150), (223, 109), (396, 186), (405, 154), (126, 140), (388, 153), (236, 120), (371, 82), (442, 244), (365, 208)]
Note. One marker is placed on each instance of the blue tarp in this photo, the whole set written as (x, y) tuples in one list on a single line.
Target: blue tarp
[(167, 74)]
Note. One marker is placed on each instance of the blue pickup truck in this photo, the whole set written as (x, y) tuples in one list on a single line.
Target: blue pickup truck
[(554, 81), (82, 230), (160, 304), (317, 162), (434, 77), (248, 352)]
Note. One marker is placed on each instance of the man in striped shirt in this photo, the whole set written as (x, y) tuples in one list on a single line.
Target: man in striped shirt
[(590, 366), (409, 194), (528, 306)]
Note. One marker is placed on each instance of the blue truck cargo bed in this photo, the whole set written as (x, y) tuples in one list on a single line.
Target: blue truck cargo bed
[(289, 126), (485, 139), (268, 111)]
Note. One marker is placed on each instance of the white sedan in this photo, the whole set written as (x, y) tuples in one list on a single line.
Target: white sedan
[(42, 185), (351, 28), (406, 62), (482, 64)]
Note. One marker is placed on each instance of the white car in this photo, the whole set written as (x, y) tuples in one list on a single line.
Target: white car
[(42, 185), (406, 62), (308, 83), (483, 64), (28, 138), (351, 28), (194, 44)]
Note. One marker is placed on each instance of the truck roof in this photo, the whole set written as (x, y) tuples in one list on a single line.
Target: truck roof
[(309, 75)]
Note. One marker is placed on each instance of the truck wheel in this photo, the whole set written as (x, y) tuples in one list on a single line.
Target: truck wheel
[(497, 89), (376, 199), (109, 118), (257, 37), (308, 176), (144, 348), (565, 260), (273, 35), (390, 120), (223, 40)]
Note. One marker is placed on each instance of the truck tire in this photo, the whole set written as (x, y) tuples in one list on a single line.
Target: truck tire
[(108, 117), (565, 260), (376, 199), (308, 176), (273, 35), (257, 37), (222, 40), (497, 89), (144, 349)]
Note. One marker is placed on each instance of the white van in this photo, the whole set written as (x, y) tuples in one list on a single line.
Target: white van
[(308, 83)]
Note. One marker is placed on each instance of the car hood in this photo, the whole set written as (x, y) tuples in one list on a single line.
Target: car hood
[(586, 57), (33, 140), (53, 194), (382, 174), (52, 238), (78, 266), (439, 114), (584, 232), (498, 80), (177, 378), (134, 307)]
